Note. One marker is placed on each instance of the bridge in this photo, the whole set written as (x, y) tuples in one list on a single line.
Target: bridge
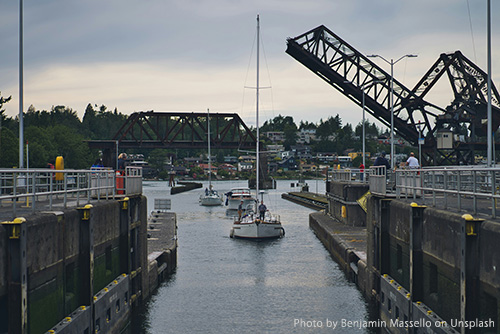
[(176, 130), (464, 119)]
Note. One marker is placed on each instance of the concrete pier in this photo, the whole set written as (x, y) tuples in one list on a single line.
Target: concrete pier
[(421, 265), (162, 246), (346, 244), (81, 270)]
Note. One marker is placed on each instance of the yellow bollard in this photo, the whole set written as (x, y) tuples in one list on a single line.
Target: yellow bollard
[(59, 166)]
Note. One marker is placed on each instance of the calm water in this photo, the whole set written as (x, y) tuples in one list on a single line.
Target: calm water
[(224, 285)]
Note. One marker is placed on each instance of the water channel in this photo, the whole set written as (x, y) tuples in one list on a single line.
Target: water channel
[(224, 285)]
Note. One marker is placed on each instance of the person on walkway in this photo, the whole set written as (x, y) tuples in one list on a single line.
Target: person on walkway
[(262, 210), (121, 161), (412, 162), (240, 210), (382, 161), (361, 171)]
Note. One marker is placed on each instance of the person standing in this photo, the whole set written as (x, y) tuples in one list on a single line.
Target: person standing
[(412, 162), (382, 161), (122, 161), (362, 171), (262, 210), (240, 210)]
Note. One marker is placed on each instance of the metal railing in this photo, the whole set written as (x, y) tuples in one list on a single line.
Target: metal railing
[(45, 188), (468, 187), (378, 180), (350, 175)]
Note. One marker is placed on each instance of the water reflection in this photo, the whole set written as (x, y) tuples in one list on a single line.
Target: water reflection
[(225, 285)]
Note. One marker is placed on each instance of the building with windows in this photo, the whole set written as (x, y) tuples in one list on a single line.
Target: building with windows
[(275, 136)]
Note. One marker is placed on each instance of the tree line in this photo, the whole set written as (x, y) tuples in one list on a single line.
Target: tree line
[(60, 132)]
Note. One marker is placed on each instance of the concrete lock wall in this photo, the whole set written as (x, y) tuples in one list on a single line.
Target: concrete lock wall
[(342, 202), (82, 264), (4, 315), (436, 243)]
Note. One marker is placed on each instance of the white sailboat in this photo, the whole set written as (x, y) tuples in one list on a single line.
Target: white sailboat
[(210, 197), (256, 224)]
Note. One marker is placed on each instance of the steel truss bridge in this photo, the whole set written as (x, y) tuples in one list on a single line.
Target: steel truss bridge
[(348, 70), (177, 130)]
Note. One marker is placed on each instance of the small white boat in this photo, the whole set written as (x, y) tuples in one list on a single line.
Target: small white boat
[(236, 195), (211, 197), (253, 224)]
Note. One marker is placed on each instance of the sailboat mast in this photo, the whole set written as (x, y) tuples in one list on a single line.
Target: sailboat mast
[(209, 156), (257, 167)]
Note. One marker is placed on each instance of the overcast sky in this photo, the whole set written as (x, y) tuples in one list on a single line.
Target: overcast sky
[(187, 55)]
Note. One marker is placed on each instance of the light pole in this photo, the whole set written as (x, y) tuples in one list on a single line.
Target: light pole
[(392, 62), (363, 86), (490, 137), (21, 88)]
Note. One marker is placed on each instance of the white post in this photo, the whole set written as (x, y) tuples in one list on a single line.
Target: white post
[(364, 165), (490, 126), (392, 114), (21, 90)]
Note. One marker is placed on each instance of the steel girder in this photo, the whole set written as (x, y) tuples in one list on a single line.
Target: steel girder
[(349, 71), (181, 130)]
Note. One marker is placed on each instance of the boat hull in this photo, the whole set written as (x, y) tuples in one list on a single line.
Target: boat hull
[(257, 231), (210, 200)]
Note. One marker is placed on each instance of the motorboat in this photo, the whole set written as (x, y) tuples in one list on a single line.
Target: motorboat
[(236, 195)]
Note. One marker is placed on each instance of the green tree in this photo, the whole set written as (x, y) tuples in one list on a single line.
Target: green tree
[(59, 115), (307, 125), (329, 127), (9, 149), (71, 147), (278, 123), (157, 157), (290, 132), (42, 148), (102, 124)]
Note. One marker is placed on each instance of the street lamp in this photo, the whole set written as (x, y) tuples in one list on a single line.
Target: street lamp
[(392, 62), (363, 86), (21, 87)]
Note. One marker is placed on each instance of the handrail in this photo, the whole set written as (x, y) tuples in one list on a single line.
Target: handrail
[(350, 175), (43, 188), (461, 183), (434, 185)]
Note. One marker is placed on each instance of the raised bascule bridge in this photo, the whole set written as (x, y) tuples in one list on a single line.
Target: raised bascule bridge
[(453, 133)]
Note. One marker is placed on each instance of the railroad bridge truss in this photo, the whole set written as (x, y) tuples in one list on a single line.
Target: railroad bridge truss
[(463, 120), (177, 130)]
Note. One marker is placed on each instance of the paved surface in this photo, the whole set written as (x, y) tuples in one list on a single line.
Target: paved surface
[(311, 200), (25, 208), (162, 231), (354, 237)]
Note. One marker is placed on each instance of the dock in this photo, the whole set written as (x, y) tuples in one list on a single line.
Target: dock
[(307, 199), (162, 245)]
